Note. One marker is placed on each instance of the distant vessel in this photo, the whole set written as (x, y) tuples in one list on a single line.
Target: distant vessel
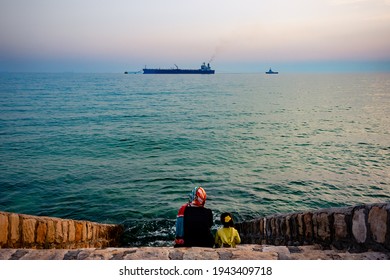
[(271, 72), (132, 72), (204, 69)]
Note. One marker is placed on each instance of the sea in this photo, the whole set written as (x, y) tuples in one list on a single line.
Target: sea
[(128, 149)]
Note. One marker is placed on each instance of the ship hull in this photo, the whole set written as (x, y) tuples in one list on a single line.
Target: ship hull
[(177, 71)]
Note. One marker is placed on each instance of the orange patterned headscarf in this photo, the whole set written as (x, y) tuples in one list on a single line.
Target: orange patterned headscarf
[(198, 196)]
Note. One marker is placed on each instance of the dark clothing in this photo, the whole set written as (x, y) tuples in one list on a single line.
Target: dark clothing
[(197, 227)]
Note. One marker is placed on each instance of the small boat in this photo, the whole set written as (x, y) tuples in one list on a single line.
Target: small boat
[(132, 72), (271, 72)]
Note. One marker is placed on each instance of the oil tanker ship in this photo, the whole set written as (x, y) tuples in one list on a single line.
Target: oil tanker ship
[(204, 69)]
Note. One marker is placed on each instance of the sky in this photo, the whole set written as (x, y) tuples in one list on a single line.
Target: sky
[(234, 35)]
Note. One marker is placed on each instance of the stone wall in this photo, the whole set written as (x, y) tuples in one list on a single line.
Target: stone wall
[(25, 231), (359, 228)]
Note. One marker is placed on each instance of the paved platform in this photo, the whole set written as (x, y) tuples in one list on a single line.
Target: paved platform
[(242, 252)]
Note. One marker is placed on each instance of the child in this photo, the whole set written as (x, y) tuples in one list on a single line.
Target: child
[(227, 236)]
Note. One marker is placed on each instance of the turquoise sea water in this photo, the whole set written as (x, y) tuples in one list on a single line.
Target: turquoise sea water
[(128, 149)]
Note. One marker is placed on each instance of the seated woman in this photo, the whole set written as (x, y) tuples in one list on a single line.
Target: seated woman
[(194, 222)]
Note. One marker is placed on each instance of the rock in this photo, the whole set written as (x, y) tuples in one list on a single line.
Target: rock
[(14, 228), (3, 229), (28, 226), (340, 226), (359, 229), (377, 219), (41, 233)]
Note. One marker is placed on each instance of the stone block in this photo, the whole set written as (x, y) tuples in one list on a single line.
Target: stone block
[(279, 236), (267, 228), (14, 228), (199, 254), (28, 230), (6, 254), (79, 231), (44, 255), (308, 224), (89, 231), (95, 232), (340, 226), (41, 232), (84, 232), (59, 234), (300, 225), (277, 233), (3, 229), (65, 230), (223, 255), (255, 231), (273, 227), (275, 249), (251, 252), (50, 236), (294, 227), (287, 231), (359, 228), (323, 228), (261, 228), (377, 219), (71, 231)]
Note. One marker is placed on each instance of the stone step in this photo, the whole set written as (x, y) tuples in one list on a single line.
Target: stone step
[(242, 252)]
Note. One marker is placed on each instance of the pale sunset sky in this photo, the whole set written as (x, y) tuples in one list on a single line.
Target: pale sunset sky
[(237, 35)]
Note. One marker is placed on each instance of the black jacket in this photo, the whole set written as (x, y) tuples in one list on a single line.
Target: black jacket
[(197, 227)]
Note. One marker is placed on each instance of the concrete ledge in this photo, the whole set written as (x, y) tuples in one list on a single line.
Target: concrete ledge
[(242, 252)]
